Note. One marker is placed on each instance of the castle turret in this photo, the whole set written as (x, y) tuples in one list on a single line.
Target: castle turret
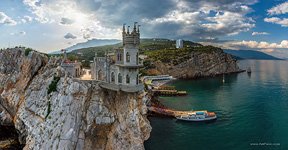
[(128, 57)]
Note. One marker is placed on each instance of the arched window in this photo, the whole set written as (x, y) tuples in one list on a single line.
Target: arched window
[(119, 78), (137, 59), (137, 79), (127, 57), (127, 79), (112, 77)]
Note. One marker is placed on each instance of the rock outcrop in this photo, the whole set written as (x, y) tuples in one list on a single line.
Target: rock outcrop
[(200, 64), (76, 115)]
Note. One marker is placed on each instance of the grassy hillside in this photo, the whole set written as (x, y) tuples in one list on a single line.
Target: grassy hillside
[(176, 56)]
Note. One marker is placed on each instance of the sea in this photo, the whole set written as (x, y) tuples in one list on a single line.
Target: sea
[(252, 111)]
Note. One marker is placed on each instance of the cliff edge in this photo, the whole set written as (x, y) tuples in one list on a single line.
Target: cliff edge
[(50, 110), (191, 63)]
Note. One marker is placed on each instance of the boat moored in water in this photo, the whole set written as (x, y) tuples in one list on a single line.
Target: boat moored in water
[(198, 116)]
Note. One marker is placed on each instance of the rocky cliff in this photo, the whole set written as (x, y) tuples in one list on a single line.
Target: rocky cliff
[(75, 115), (197, 64)]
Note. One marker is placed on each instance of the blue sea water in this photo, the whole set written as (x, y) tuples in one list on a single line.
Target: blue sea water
[(252, 111)]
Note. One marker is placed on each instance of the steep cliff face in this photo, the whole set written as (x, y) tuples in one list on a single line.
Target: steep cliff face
[(200, 64), (76, 115)]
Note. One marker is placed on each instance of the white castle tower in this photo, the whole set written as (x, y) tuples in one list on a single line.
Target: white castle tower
[(127, 59), (124, 71)]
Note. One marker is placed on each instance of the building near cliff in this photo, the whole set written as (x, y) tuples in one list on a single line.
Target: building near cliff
[(179, 43), (121, 70), (73, 69)]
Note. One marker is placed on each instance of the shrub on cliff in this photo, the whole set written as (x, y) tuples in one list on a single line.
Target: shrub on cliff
[(53, 85), (27, 51)]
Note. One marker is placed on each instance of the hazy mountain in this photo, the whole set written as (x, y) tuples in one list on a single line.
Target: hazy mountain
[(250, 54), (90, 43)]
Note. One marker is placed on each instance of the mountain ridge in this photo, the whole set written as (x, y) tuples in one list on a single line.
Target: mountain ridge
[(251, 54)]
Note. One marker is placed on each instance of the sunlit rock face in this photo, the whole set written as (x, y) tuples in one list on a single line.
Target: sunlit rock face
[(77, 115), (200, 64)]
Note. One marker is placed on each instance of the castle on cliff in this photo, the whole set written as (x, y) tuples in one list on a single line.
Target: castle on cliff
[(122, 68)]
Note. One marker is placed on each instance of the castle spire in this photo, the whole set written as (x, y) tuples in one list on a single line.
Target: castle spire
[(138, 29), (128, 29), (134, 29), (124, 27)]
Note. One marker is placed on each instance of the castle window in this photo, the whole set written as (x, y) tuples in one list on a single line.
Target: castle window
[(112, 77), (137, 59), (100, 75), (127, 79), (127, 57), (137, 79), (119, 78), (118, 56)]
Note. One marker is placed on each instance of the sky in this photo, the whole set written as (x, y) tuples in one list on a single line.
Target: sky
[(49, 25)]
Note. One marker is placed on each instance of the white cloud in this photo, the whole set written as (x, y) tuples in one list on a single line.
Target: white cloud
[(283, 22), (4, 19), (279, 9), (66, 21), (71, 14), (70, 36), (261, 45), (26, 19), (19, 33), (260, 33), (206, 19)]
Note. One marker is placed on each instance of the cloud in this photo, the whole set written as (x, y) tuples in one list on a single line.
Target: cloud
[(70, 36), (4, 19), (199, 19), (283, 22), (66, 21), (279, 9), (261, 45), (87, 33), (192, 19), (26, 19), (268, 50), (260, 33), (19, 33)]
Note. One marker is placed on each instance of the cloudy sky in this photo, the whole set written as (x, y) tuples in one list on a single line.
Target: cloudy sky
[(48, 25)]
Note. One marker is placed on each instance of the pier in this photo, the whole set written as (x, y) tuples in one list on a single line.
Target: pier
[(166, 90), (167, 112)]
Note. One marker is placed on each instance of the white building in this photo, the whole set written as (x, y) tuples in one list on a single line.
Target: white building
[(124, 69), (179, 43)]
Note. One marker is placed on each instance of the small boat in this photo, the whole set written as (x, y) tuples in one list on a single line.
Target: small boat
[(198, 116), (248, 70)]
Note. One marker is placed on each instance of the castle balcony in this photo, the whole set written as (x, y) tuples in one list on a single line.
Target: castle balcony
[(124, 88), (129, 66)]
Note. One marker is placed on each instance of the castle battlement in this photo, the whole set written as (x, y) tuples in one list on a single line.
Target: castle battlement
[(131, 39)]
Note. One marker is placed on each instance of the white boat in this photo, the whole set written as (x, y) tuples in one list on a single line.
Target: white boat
[(198, 116)]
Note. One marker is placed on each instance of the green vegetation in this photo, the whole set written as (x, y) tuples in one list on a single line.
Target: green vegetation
[(53, 85), (176, 56), (27, 51)]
